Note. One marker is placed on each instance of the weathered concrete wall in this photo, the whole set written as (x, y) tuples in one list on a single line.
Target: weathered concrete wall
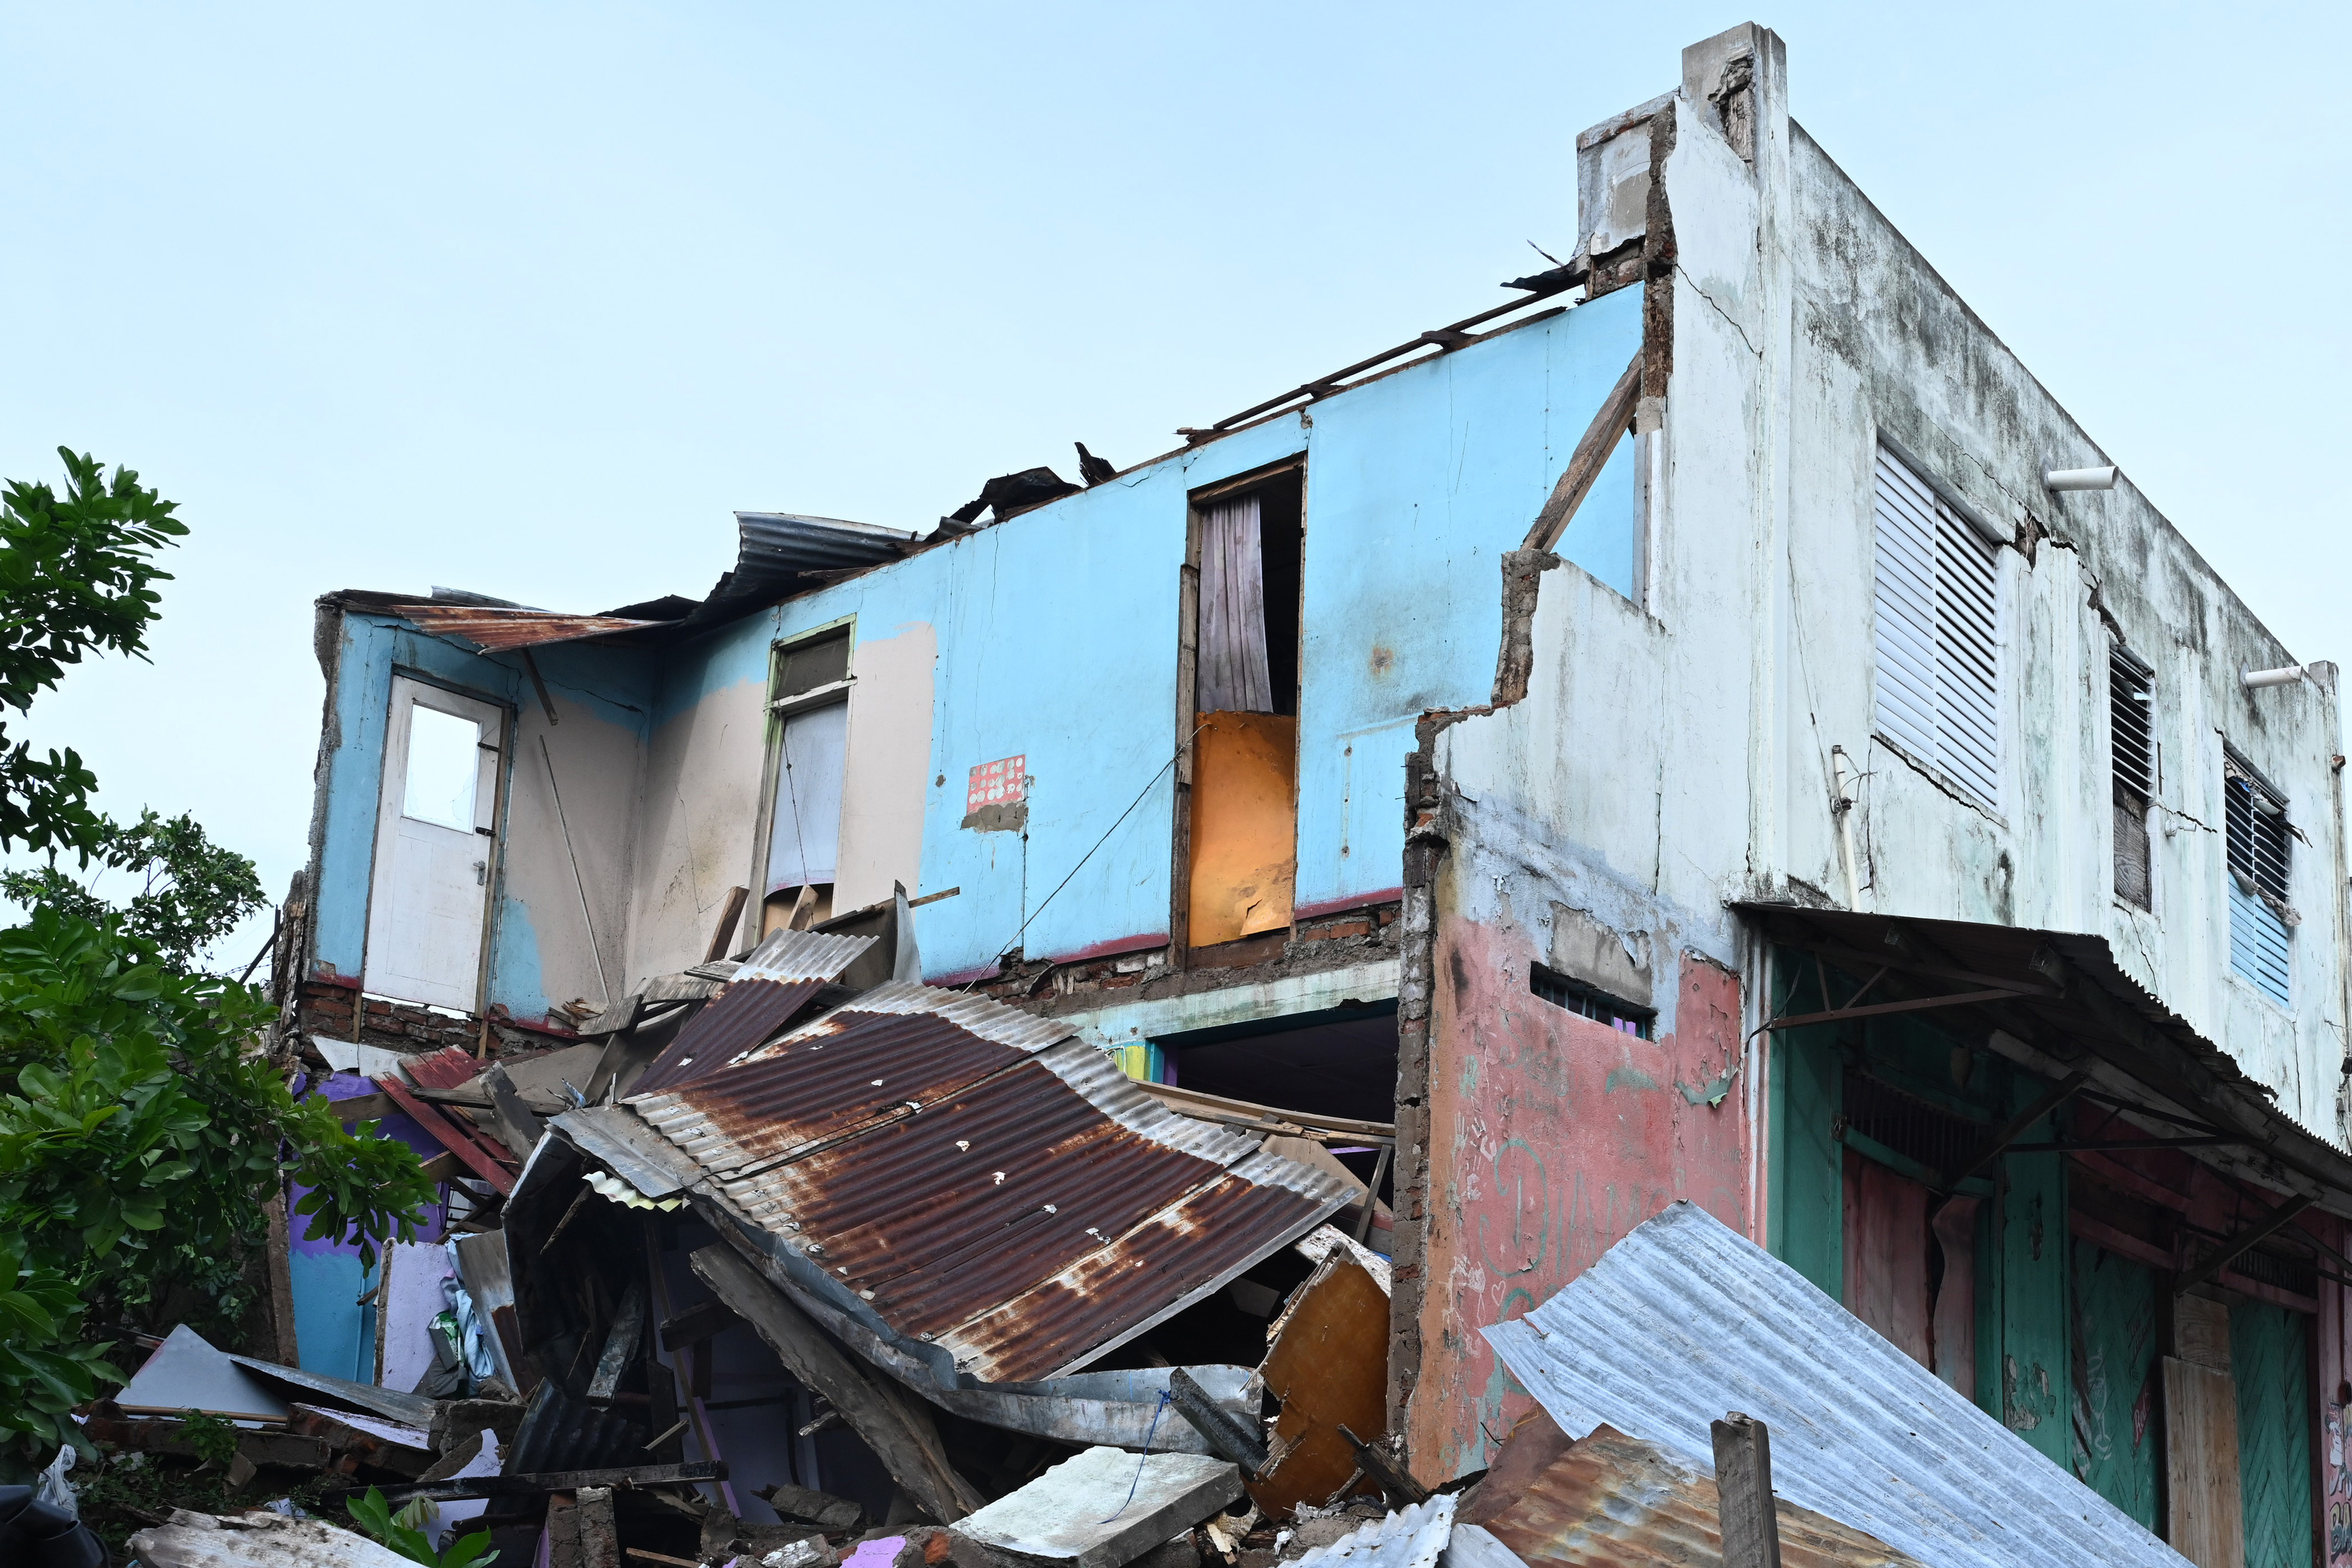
[(1881, 344), (1551, 1135)]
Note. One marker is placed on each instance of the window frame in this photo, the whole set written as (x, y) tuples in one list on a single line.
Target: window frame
[(2130, 678), (2261, 911), (777, 708), (1943, 529)]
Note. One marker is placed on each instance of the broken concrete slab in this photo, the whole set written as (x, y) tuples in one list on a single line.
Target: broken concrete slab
[(185, 1372), (258, 1540), (1104, 1508)]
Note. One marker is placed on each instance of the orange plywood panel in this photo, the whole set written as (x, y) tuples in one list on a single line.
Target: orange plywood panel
[(1244, 826)]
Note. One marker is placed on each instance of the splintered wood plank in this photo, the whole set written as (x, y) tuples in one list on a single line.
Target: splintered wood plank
[(1328, 1365)]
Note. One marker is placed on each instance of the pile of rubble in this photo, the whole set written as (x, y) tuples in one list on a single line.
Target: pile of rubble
[(797, 1263)]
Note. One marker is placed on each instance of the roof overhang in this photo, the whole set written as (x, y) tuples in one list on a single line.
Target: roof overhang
[(2057, 1005)]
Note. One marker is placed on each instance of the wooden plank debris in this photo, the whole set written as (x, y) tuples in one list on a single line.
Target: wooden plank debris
[(899, 1431), (1743, 1485), (1328, 1365)]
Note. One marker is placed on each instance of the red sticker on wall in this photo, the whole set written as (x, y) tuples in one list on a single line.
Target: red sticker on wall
[(997, 784)]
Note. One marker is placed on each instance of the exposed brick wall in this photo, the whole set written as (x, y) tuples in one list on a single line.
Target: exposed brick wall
[(325, 1008), (1326, 941)]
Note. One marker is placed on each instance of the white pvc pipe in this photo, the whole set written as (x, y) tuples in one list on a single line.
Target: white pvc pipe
[(2286, 675), (2079, 479)]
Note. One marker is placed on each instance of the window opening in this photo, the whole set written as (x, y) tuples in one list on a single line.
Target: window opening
[(1242, 859), (2131, 748), (804, 814), (444, 768), (1937, 599), (2259, 919), (1587, 1001)]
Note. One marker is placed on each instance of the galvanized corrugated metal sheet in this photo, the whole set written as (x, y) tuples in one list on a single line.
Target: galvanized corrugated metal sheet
[(1413, 1537), (768, 989), (1685, 1320), (980, 1183), (1614, 1502), (498, 629), (788, 542)]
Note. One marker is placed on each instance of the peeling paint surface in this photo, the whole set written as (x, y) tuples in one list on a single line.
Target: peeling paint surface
[(1552, 1136)]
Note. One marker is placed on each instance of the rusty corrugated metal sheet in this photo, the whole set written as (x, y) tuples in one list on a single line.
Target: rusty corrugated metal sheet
[(981, 1182), (1614, 1502), (768, 989), (500, 629), (445, 1068), (1686, 1319)]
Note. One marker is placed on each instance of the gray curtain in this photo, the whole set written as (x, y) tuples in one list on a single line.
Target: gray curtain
[(1232, 670)]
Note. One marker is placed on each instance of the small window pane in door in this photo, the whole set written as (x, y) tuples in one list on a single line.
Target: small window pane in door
[(443, 765)]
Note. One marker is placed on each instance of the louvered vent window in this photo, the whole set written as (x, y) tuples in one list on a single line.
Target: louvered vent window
[(2260, 918), (2131, 748), (1938, 633)]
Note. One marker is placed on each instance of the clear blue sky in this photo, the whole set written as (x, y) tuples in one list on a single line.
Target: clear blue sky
[(527, 298)]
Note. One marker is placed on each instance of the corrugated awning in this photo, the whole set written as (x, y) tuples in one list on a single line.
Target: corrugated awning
[(1685, 1319), (2058, 1004), (982, 1188)]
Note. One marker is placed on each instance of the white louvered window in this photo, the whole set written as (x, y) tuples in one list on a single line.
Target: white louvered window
[(2131, 754), (2260, 916), (1939, 623)]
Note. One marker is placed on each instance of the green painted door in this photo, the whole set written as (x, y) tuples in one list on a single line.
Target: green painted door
[(2270, 1359), (2115, 1446)]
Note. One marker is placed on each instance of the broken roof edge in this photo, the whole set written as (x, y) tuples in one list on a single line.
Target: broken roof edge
[(2140, 1051)]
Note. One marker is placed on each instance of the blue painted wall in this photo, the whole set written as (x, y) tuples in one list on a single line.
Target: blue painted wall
[(614, 684), (1057, 637)]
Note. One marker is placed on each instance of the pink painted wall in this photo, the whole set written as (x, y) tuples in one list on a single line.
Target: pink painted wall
[(2332, 1365), (1552, 1135)]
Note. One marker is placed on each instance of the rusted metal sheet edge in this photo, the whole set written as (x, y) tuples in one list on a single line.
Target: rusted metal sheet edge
[(649, 1165), (1331, 1203), (1087, 1071), (499, 630), (801, 955), (1086, 1409), (989, 1019)]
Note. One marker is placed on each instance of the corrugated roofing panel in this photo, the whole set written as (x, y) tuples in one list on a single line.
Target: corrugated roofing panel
[(769, 989), (1685, 1320), (1413, 1537), (1614, 1502), (979, 1186), (498, 629), (787, 541)]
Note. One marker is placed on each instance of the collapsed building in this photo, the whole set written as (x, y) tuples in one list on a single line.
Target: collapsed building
[(1711, 728)]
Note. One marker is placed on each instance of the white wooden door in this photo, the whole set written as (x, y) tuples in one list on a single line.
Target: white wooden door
[(435, 839)]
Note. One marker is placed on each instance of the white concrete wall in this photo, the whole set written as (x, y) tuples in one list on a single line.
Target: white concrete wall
[(1681, 749)]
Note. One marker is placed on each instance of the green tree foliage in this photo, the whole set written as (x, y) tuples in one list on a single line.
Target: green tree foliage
[(143, 1131), (77, 576), (192, 892)]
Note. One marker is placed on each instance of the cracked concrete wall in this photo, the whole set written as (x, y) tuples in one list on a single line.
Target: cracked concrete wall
[(1674, 754), (1880, 345)]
